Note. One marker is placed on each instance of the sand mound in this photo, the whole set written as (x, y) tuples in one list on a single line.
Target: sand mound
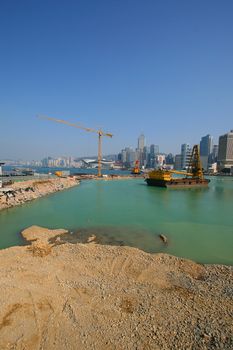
[(88, 296)]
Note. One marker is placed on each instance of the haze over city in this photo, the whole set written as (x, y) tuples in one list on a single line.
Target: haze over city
[(161, 68)]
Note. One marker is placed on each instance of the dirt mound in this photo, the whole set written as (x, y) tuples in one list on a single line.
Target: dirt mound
[(89, 296)]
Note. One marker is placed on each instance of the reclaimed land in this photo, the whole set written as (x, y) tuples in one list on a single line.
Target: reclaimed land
[(21, 192), (58, 296)]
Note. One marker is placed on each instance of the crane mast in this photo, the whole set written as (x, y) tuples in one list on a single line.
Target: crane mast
[(99, 132)]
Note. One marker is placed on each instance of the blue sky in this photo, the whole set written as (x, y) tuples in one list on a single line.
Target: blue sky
[(164, 68)]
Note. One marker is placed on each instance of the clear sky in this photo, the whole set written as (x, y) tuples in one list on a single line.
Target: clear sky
[(161, 67)]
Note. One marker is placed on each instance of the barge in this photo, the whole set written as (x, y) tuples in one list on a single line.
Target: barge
[(193, 177)]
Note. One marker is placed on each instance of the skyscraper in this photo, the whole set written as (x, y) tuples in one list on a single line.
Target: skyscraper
[(185, 155), (206, 147), (178, 165), (154, 149), (225, 151), (141, 142)]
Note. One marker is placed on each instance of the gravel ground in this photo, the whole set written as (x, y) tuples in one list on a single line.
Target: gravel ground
[(90, 296)]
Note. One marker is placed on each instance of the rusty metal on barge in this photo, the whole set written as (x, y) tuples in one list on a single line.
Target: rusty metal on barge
[(193, 176)]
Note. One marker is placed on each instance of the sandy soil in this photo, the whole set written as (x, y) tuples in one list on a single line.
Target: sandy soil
[(90, 296)]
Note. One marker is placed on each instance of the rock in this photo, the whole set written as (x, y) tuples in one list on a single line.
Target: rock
[(163, 238)]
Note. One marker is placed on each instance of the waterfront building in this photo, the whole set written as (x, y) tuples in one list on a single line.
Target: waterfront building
[(145, 156), (130, 157), (154, 150), (141, 142), (178, 163), (159, 160), (215, 153), (186, 152), (169, 159), (123, 156), (206, 147), (225, 151)]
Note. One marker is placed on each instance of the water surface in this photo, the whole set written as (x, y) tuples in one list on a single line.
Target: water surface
[(197, 222)]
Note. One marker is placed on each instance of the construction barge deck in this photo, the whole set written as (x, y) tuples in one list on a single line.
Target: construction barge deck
[(178, 183), (193, 176)]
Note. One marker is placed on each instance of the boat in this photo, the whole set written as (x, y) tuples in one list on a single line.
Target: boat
[(193, 177), (136, 170)]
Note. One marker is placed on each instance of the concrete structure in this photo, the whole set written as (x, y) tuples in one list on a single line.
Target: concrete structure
[(214, 155), (154, 150), (178, 165), (225, 151), (213, 168), (206, 147), (141, 142), (159, 160), (186, 152)]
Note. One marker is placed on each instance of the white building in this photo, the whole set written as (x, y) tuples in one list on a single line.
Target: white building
[(186, 152)]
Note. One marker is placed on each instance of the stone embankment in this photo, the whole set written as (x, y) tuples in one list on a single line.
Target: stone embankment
[(21, 192), (57, 296)]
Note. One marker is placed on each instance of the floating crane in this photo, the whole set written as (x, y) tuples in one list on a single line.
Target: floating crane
[(193, 177), (136, 170), (99, 132)]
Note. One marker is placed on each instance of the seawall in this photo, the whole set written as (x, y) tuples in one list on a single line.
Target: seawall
[(21, 192)]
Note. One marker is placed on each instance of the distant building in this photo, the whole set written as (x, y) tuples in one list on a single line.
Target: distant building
[(212, 168), (154, 149), (159, 160), (169, 159), (141, 142), (225, 151), (206, 147), (130, 156), (178, 163), (123, 156), (214, 155), (186, 152)]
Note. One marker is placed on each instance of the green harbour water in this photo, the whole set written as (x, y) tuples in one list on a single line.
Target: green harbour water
[(197, 222)]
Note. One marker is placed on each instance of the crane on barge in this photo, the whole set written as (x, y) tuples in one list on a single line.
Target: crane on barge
[(100, 133), (193, 176)]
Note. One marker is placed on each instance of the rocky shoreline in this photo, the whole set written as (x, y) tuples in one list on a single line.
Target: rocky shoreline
[(22, 192), (89, 296)]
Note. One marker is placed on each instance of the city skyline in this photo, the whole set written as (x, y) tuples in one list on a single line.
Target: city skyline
[(142, 146)]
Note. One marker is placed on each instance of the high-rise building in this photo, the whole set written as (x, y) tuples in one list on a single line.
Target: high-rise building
[(186, 152), (154, 150), (178, 165), (169, 159), (141, 142), (214, 155), (206, 147), (159, 160), (225, 151)]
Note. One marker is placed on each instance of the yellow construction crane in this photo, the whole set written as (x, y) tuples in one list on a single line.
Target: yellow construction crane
[(99, 132)]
